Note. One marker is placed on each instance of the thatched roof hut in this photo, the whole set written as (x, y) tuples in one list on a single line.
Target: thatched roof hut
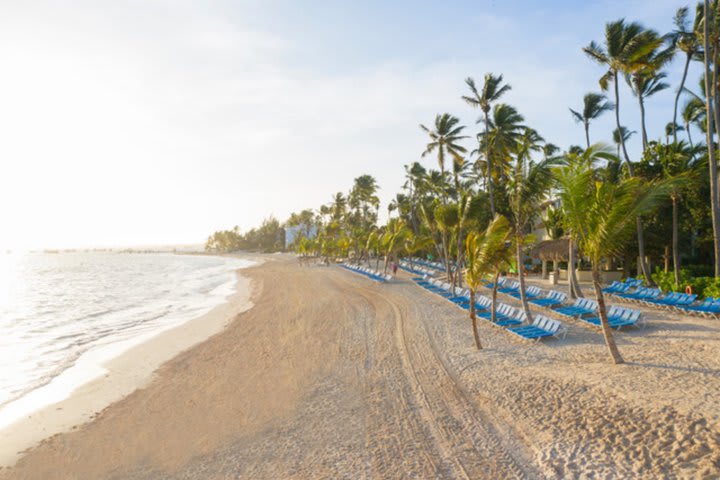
[(551, 250)]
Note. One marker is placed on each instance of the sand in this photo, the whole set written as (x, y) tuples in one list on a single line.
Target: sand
[(331, 375)]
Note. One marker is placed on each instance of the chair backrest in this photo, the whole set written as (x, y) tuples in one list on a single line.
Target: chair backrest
[(614, 311), (533, 290), (552, 326), (520, 315), (591, 305)]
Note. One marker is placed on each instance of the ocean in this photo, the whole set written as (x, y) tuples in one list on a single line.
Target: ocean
[(62, 315)]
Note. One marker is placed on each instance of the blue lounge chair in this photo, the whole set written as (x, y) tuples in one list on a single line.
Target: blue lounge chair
[(618, 317), (582, 306), (552, 299), (541, 327), (530, 292)]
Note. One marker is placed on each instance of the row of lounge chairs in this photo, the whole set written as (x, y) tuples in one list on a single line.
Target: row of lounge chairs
[(631, 290), (416, 269), (425, 263), (583, 309), (368, 272), (511, 319)]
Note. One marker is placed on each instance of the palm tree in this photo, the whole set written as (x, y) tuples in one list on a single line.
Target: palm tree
[(677, 161), (618, 139), (505, 131), (492, 90), (572, 222), (528, 187), (395, 234), (686, 40), (692, 114), (710, 118), (670, 127), (549, 149), (444, 139), (484, 253), (644, 83), (625, 46), (602, 214), (594, 105)]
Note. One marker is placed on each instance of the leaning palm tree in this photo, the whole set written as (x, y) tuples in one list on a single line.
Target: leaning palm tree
[(686, 40), (571, 163), (626, 44), (594, 105), (603, 214), (492, 90), (484, 251)]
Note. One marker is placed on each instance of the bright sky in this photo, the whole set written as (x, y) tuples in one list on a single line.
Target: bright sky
[(155, 122)]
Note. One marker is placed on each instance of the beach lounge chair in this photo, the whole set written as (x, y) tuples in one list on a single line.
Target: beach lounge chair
[(710, 306), (501, 282), (530, 292), (552, 299), (582, 306), (618, 317), (510, 288), (540, 328)]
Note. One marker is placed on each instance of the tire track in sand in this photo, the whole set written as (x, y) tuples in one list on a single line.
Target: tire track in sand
[(465, 437)]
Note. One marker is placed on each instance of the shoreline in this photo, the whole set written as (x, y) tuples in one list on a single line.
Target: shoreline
[(131, 370)]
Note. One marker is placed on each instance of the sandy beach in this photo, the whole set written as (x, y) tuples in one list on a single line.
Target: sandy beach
[(331, 375)]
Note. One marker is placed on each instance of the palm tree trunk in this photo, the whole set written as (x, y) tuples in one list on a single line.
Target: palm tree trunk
[(641, 253), (521, 277), (642, 122), (459, 261), (631, 170), (676, 249), (607, 332), (587, 133), (712, 161), (488, 166), (687, 130), (573, 283), (473, 317), (446, 257), (493, 310), (688, 57)]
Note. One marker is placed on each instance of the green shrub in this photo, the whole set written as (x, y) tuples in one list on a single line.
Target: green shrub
[(702, 286)]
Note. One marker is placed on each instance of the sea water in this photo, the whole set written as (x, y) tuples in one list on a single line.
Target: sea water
[(62, 315)]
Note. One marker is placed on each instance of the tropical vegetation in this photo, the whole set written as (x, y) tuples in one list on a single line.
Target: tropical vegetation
[(474, 200)]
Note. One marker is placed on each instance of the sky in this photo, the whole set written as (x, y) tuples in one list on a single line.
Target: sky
[(150, 122)]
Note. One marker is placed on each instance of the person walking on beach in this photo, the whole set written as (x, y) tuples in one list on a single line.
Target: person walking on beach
[(394, 268)]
